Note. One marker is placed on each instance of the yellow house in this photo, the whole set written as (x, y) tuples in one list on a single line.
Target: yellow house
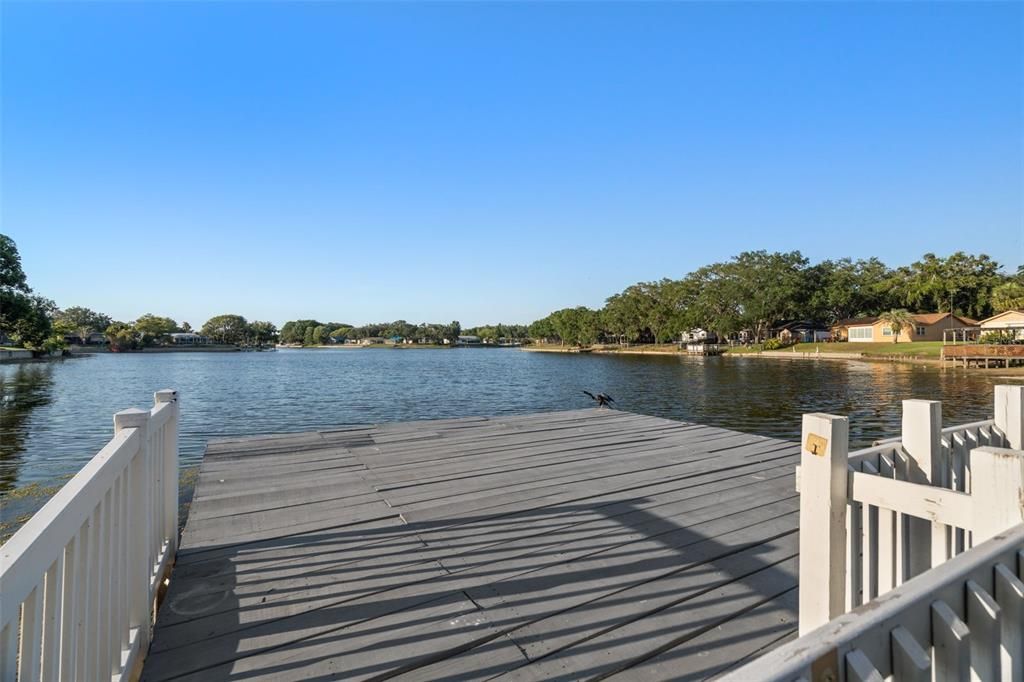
[(1006, 321), (926, 327)]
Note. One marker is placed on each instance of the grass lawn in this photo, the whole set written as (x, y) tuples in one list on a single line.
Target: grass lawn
[(639, 348), (923, 349), (740, 350)]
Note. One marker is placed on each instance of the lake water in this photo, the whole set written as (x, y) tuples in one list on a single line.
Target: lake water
[(55, 416)]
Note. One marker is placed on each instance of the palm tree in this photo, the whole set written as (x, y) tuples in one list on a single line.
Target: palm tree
[(897, 319)]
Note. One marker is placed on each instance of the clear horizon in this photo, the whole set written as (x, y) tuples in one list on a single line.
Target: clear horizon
[(361, 162)]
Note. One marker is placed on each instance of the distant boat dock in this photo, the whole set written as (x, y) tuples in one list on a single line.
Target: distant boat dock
[(702, 348)]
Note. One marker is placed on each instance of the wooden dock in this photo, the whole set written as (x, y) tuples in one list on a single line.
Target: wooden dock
[(984, 355), (570, 545)]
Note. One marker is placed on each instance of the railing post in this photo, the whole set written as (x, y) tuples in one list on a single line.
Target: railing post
[(1009, 415), (997, 491), (170, 464), (823, 497), (922, 441), (137, 556)]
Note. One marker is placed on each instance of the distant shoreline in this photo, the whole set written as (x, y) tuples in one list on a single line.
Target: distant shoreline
[(673, 350), (395, 346), (358, 346), (208, 348), (16, 356)]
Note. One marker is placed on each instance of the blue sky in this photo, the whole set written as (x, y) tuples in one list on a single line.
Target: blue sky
[(481, 161)]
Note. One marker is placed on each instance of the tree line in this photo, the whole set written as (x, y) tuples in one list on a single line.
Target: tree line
[(26, 318), (748, 293), (755, 290), (36, 323), (315, 333), (150, 330), (500, 332)]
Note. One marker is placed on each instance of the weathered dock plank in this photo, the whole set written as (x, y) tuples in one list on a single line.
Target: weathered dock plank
[(563, 545)]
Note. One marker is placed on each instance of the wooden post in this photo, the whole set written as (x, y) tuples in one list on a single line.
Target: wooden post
[(1009, 415), (170, 464), (922, 441), (997, 491), (137, 556), (823, 544)]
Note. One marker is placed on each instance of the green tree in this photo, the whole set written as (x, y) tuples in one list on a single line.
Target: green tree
[(152, 328), (294, 331), (320, 335), (846, 288), (714, 300), (12, 276), (15, 303), (770, 286), (898, 319), (81, 321), (261, 332), (452, 331), (1008, 296), (487, 332), (341, 333), (121, 336), (34, 328), (231, 329), (623, 315), (543, 329), (186, 327), (962, 282), (664, 308), (576, 326)]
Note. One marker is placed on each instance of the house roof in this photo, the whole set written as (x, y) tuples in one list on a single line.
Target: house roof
[(933, 318), (919, 318), (1012, 311), (797, 324), (855, 321)]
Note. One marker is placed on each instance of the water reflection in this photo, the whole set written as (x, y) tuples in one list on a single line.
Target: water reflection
[(23, 390), (57, 416)]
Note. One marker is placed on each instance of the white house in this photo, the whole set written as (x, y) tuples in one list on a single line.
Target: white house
[(1007, 322), (189, 339), (698, 334)]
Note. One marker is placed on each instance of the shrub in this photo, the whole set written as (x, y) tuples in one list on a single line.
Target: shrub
[(53, 343), (1001, 338)]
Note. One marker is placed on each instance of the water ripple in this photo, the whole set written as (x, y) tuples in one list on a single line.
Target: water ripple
[(54, 417)]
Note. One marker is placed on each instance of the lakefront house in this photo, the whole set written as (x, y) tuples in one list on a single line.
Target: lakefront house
[(189, 339), (1008, 321), (926, 327), (800, 331), (93, 339)]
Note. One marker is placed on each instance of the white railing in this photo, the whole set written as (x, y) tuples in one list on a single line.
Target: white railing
[(905, 504), (79, 581), (961, 620)]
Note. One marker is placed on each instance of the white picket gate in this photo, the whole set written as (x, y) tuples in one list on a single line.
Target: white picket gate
[(921, 506), (80, 579)]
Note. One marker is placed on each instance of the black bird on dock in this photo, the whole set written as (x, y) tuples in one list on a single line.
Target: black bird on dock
[(602, 399)]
